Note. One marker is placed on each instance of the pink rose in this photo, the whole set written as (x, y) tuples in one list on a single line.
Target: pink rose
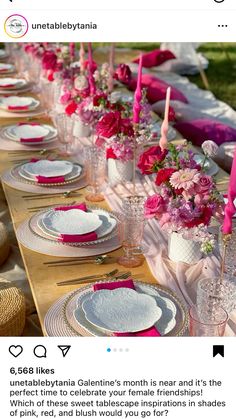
[(204, 184), (154, 206), (151, 158), (123, 74), (49, 60), (109, 125), (65, 98)]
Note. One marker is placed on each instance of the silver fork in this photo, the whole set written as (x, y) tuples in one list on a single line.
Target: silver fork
[(123, 275)]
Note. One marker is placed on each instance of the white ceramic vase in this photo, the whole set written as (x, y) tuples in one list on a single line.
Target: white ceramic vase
[(183, 250), (81, 130), (119, 171)]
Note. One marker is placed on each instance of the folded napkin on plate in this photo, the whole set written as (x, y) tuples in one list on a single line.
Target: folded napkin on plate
[(32, 124), (76, 238), (54, 179), (128, 283), (3, 86), (82, 207), (17, 108), (32, 140)]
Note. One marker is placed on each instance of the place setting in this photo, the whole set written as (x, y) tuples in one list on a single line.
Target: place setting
[(117, 307), (28, 136), (6, 69), (9, 85), (46, 176), (74, 230), (19, 106)]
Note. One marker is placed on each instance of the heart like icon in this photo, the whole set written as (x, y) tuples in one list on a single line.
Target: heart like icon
[(15, 350)]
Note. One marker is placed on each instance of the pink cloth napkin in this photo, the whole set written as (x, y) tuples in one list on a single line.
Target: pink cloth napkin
[(32, 140), (55, 179), (128, 283), (32, 124), (82, 207), (17, 108), (76, 238), (6, 85)]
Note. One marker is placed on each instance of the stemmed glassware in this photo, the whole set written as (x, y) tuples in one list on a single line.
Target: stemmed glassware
[(131, 226), (95, 163), (65, 126)]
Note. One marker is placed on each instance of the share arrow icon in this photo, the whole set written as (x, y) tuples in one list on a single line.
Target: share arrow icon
[(64, 349)]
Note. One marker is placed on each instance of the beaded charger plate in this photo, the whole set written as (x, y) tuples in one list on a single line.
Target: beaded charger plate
[(60, 319)]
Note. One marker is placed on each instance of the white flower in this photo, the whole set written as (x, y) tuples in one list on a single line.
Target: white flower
[(210, 148), (81, 82)]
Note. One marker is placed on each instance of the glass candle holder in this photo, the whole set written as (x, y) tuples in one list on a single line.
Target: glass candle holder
[(213, 293), (95, 164), (212, 326), (230, 258)]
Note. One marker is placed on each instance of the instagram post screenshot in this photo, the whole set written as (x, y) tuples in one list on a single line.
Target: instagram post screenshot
[(117, 209)]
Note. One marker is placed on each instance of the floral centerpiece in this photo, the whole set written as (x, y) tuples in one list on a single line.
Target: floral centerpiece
[(187, 199)]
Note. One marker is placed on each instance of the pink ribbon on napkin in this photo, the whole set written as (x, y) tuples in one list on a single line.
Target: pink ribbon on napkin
[(128, 283), (76, 238), (32, 124), (6, 85), (17, 108), (32, 140), (55, 179)]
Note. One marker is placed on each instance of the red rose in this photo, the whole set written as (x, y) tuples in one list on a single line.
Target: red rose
[(204, 218), (163, 175), (100, 99), (71, 108), (150, 158), (93, 67), (49, 60), (123, 73), (127, 127), (109, 125)]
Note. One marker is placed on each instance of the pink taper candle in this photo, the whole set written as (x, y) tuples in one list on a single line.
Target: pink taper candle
[(138, 94), (165, 124), (72, 50), (81, 57), (92, 84), (111, 67), (230, 208)]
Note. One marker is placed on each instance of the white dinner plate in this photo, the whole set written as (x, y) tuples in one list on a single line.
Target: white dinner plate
[(165, 325), (10, 133), (121, 310), (74, 174), (28, 131), (19, 101), (6, 68), (107, 223), (74, 221), (48, 168), (12, 83)]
